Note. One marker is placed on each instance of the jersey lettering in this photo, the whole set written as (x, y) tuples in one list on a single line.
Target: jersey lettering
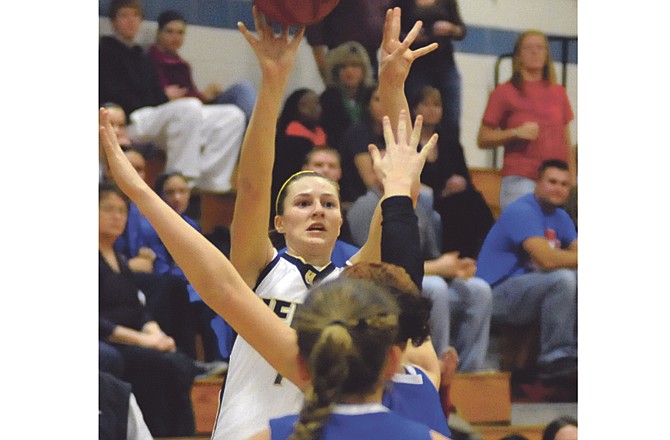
[(285, 310)]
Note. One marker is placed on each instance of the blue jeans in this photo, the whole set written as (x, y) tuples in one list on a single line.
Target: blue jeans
[(242, 94), (467, 305), (513, 187), (430, 224), (548, 297)]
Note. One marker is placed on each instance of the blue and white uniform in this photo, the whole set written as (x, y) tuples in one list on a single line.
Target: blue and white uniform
[(254, 392), (371, 421), (413, 395)]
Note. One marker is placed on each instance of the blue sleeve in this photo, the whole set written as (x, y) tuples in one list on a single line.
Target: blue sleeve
[(521, 221), (567, 231)]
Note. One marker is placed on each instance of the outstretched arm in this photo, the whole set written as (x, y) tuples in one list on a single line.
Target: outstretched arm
[(395, 61), (251, 249), (398, 169), (207, 269)]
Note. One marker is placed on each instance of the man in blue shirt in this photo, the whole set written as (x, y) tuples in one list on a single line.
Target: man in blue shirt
[(529, 258)]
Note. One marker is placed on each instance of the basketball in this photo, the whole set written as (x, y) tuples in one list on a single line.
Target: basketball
[(296, 12)]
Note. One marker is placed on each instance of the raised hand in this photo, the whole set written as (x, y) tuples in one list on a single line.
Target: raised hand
[(395, 62), (121, 169), (396, 58), (400, 167), (275, 53)]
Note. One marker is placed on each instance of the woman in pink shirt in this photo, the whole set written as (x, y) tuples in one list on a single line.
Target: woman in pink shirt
[(530, 115)]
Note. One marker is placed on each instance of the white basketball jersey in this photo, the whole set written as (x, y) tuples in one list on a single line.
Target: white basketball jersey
[(254, 392)]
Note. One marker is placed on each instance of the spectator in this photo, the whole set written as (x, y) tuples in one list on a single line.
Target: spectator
[(325, 161), (181, 309), (132, 243), (298, 132), (161, 378), (530, 115), (351, 20), (529, 258), (465, 218), (175, 75), (442, 23), (180, 126), (118, 119), (301, 117), (357, 173), (348, 78)]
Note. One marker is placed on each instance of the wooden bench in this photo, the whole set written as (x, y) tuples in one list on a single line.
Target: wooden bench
[(205, 400), (482, 397)]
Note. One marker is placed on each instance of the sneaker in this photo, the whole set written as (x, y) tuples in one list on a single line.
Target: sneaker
[(211, 369), (563, 367)]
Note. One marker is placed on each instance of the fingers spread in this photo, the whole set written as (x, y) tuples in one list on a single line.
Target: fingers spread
[(298, 36), (424, 50), (402, 127), (388, 132), (411, 36), (426, 149), (416, 132), (374, 153)]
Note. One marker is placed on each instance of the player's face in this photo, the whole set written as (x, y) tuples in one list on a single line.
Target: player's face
[(112, 215), (553, 187), (326, 164), (171, 37), (176, 193), (312, 218)]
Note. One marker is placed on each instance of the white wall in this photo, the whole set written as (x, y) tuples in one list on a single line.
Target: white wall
[(222, 55)]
